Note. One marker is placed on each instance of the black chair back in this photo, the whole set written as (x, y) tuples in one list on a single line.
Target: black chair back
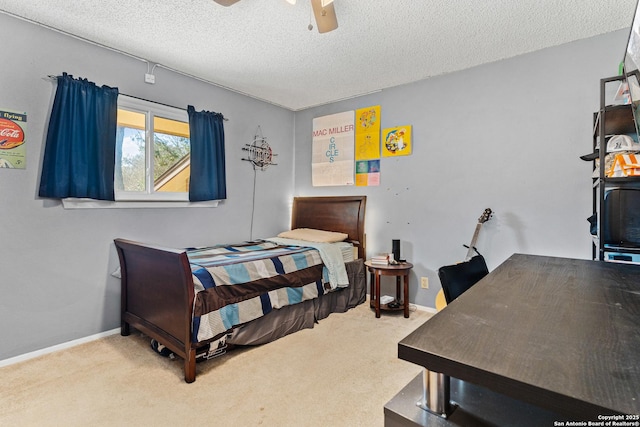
[(457, 278)]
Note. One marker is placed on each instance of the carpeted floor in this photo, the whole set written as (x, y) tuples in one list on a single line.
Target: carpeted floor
[(341, 373)]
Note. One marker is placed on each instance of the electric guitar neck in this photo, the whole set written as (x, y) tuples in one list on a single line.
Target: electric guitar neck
[(486, 216)]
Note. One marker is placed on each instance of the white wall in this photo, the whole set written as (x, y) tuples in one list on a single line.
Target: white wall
[(505, 136), (55, 264)]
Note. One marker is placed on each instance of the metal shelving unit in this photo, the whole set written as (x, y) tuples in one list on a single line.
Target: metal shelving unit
[(609, 120)]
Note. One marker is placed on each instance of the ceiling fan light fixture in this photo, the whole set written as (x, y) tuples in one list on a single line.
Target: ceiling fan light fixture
[(326, 19), (226, 3)]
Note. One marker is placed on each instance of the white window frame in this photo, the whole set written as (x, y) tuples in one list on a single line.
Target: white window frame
[(151, 110), (148, 198)]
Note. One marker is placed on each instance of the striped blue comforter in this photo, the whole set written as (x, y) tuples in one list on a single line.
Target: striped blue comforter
[(238, 283)]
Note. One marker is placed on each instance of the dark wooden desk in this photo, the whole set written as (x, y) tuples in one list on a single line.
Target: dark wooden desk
[(563, 334)]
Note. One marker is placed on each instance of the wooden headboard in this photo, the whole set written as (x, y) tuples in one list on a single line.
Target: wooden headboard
[(344, 214)]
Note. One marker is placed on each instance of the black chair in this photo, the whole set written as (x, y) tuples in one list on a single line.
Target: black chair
[(457, 278)]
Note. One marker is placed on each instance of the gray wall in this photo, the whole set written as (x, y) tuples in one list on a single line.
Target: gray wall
[(505, 136), (55, 264)]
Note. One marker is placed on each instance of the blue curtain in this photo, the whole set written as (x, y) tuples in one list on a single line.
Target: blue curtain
[(79, 155), (208, 177)]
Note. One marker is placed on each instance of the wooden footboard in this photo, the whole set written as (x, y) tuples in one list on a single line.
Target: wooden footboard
[(157, 297)]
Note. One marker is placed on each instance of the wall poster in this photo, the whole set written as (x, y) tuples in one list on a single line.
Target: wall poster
[(367, 172), (13, 152), (368, 146), (332, 161), (396, 141), (368, 133)]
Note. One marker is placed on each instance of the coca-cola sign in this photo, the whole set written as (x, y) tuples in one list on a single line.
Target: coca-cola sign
[(11, 134)]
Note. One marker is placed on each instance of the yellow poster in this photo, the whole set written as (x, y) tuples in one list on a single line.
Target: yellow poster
[(396, 141), (368, 133)]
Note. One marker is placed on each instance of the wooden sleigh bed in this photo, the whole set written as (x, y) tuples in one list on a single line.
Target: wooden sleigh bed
[(161, 298)]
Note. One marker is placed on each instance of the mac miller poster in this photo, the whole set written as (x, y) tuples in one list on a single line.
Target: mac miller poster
[(13, 152), (332, 160)]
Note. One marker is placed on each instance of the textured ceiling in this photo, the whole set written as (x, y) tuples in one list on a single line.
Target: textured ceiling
[(262, 48)]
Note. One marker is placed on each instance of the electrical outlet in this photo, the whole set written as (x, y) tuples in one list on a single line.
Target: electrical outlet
[(424, 282)]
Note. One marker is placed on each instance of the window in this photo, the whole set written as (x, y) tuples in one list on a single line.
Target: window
[(152, 152), (152, 165)]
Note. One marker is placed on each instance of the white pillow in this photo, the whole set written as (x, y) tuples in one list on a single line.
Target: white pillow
[(313, 235)]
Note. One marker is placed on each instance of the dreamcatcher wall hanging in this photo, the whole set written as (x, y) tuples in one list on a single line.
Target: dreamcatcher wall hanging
[(259, 152)]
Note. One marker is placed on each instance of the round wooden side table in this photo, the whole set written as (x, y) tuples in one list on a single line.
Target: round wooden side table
[(400, 270)]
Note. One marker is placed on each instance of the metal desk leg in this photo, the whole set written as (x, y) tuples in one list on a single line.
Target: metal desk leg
[(435, 393)]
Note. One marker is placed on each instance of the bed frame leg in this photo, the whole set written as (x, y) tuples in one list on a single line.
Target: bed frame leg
[(125, 329), (190, 366)]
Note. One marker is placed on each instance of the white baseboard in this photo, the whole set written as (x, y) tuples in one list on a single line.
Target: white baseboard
[(63, 346), (432, 310), (58, 347)]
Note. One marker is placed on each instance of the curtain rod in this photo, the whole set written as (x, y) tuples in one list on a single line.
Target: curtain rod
[(52, 77)]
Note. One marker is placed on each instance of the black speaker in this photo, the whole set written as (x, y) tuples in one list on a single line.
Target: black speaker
[(395, 248)]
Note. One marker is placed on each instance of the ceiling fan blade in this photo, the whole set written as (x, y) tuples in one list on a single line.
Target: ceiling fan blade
[(326, 19), (226, 2)]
